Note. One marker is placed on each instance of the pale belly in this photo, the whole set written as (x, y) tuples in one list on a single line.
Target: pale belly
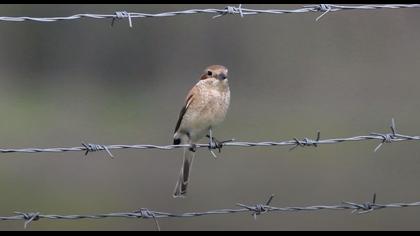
[(209, 113)]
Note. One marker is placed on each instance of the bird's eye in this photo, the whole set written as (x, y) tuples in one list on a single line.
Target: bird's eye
[(209, 73)]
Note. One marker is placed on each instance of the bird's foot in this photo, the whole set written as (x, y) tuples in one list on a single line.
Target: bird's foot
[(193, 147), (216, 144)]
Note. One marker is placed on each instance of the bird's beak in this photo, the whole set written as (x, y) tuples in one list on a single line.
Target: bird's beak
[(222, 76)]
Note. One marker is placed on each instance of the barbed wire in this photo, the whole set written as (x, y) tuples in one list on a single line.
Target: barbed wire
[(228, 10), (256, 210), (391, 137)]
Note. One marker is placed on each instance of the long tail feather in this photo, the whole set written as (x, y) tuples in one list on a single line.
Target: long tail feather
[(184, 175)]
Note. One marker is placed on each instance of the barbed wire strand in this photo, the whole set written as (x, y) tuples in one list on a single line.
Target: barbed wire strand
[(256, 210), (391, 137), (228, 10)]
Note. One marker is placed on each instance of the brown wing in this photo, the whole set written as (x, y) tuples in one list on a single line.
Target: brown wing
[(185, 108), (181, 115)]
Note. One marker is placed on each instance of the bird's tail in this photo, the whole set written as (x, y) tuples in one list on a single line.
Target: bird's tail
[(184, 175)]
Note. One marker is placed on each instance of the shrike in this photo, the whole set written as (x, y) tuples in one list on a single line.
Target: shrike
[(205, 107)]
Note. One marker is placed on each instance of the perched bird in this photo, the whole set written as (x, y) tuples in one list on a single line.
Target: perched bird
[(205, 107)]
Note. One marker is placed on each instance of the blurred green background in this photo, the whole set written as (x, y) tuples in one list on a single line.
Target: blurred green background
[(69, 82)]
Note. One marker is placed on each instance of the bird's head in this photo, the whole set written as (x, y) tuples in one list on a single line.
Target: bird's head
[(215, 72)]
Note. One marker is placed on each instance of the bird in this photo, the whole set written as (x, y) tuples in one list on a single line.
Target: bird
[(206, 105)]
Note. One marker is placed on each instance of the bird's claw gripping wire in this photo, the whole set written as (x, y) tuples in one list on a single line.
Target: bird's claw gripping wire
[(193, 147), (215, 144)]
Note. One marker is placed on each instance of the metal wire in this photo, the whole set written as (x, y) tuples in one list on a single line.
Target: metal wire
[(391, 137), (258, 209), (228, 10)]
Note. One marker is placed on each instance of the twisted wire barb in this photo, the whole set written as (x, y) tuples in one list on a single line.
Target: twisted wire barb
[(393, 136), (231, 10), (258, 209), (96, 147)]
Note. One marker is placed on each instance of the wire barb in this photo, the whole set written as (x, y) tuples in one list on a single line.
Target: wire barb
[(215, 144), (390, 137), (231, 10), (28, 217), (363, 208), (147, 214), (325, 8), (307, 142), (258, 209), (121, 15), (89, 147)]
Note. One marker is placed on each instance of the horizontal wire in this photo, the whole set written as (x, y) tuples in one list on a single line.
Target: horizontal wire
[(258, 209), (324, 8), (393, 136)]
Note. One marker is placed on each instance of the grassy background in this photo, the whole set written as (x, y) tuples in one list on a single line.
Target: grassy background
[(348, 74)]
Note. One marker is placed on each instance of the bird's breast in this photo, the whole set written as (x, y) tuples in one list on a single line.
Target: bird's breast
[(208, 109), (214, 107)]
